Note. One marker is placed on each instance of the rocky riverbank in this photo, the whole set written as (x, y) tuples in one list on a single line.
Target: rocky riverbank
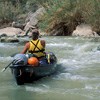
[(12, 33)]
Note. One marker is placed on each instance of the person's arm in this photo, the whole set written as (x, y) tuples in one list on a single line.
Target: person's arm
[(26, 47), (43, 43)]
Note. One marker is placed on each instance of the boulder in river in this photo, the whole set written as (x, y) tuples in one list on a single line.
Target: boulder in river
[(85, 31), (9, 39), (10, 31)]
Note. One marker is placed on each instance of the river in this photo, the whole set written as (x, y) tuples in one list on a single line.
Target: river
[(77, 77)]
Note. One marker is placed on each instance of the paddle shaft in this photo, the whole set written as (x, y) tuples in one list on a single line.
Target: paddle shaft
[(7, 66)]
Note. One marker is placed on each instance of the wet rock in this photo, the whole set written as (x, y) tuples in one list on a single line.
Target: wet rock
[(2, 39), (3, 35), (18, 25), (9, 39), (85, 31), (10, 31), (12, 39)]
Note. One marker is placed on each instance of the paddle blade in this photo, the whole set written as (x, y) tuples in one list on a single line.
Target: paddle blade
[(7, 66), (3, 70)]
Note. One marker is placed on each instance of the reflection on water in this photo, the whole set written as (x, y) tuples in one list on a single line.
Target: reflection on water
[(77, 76)]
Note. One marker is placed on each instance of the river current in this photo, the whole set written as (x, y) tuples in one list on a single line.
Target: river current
[(77, 76)]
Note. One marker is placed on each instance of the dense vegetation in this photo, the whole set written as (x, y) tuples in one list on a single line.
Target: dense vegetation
[(61, 14), (15, 10)]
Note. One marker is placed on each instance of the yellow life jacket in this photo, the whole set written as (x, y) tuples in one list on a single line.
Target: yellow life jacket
[(36, 48)]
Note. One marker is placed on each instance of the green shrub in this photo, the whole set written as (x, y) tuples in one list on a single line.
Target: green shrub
[(61, 14), (9, 12), (67, 14)]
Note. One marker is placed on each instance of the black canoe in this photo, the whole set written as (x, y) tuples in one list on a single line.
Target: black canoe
[(28, 74)]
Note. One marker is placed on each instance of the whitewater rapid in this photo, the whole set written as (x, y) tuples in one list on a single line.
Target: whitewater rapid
[(77, 77)]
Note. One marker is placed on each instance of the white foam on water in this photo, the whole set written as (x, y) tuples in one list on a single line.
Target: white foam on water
[(85, 48), (68, 61), (58, 45), (93, 86), (78, 77), (72, 63), (88, 87), (3, 59), (6, 45), (40, 90), (69, 76), (81, 58)]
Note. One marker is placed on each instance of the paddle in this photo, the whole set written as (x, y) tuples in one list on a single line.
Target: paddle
[(7, 66)]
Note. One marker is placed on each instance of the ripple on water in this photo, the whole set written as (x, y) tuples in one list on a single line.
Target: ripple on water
[(5, 59), (7, 45), (58, 45), (40, 89)]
